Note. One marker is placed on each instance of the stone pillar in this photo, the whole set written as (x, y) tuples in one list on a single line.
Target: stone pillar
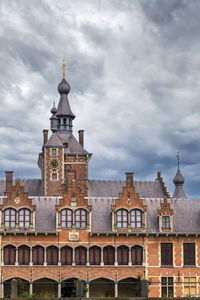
[(116, 289), (129, 257), (2, 256), (59, 257), (31, 288), (13, 288), (2, 290), (31, 257), (16, 258), (88, 258), (116, 262), (88, 290), (59, 289), (45, 257), (73, 257), (102, 263)]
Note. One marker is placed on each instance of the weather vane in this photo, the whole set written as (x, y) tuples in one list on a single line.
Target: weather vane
[(178, 159), (63, 66)]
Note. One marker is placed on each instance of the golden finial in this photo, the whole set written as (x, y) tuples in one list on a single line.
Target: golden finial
[(63, 68)]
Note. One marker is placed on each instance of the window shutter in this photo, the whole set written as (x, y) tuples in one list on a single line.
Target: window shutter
[(143, 219), (119, 255), (6, 255), (40, 255), (20, 255), (83, 256), (26, 256), (55, 256), (77, 254)]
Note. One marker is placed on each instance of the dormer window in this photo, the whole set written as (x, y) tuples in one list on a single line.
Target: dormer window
[(80, 218), (24, 218), (66, 218), (10, 218), (122, 218), (136, 218), (165, 222)]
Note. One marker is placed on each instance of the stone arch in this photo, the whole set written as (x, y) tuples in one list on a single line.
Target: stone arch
[(69, 286), (129, 287), (45, 286), (102, 287), (16, 285)]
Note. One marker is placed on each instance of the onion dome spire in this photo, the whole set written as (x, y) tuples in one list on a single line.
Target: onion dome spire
[(53, 110), (64, 114), (179, 181)]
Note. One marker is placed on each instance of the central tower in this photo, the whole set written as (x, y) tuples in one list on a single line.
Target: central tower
[(63, 159)]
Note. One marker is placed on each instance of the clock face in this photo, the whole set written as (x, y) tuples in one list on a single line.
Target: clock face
[(54, 163)]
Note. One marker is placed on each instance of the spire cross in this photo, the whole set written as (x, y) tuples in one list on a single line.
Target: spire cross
[(178, 159), (63, 67)]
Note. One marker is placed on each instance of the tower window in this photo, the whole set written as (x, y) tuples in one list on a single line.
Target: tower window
[(54, 176), (122, 218), (136, 218), (80, 218), (53, 151)]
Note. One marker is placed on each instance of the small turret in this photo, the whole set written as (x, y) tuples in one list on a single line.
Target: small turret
[(54, 119), (179, 181)]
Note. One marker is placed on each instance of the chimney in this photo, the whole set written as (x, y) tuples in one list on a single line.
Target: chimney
[(70, 177), (45, 136), (9, 178), (129, 179), (81, 137)]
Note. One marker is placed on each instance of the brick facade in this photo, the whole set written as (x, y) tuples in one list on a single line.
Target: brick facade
[(89, 230)]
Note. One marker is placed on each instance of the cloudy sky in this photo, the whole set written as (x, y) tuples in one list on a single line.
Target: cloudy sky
[(134, 71)]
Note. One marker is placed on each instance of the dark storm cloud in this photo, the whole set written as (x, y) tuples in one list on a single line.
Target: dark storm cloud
[(133, 67)]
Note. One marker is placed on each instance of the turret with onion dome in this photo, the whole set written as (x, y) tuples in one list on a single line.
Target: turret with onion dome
[(179, 181), (62, 118)]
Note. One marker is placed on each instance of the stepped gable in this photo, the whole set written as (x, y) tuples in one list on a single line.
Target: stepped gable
[(31, 186)]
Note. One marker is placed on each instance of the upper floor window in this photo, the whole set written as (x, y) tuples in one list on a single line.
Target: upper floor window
[(137, 255), (95, 255), (189, 253), (66, 218), (166, 254), (80, 218), (165, 222), (9, 255), (38, 255), (122, 255), (54, 176), (136, 218), (10, 217), (24, 218), (122, 218), (54, 151)]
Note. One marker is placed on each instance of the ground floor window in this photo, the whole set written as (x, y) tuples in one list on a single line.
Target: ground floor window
[(189, 286), (167, 286)]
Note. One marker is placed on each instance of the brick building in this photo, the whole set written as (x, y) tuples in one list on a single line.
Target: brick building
[(64, 228)]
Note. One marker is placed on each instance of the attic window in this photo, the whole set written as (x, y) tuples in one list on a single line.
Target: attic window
[(165, 222), (65, 145)]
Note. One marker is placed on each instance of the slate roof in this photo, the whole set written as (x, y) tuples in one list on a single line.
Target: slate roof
[(45, 213), (54, 141), (64, 107), (105, 188), (186, 215)]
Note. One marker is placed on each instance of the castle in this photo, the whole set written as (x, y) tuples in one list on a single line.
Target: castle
[(110, 236)]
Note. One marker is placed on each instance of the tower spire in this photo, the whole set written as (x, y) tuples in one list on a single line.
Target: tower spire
[(179, 181), (63, 67)]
